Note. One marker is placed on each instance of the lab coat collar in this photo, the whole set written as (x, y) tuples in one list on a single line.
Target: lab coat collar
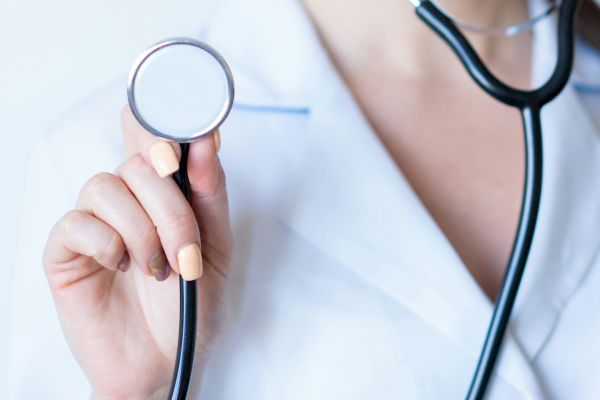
[(566, 241), (586, 66), (350, 200), (266, 50)]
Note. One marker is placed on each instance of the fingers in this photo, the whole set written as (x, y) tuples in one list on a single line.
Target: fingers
[(208, 193), (170, 212), (137, 216), (107, 198), (162, 155), (81, 233)]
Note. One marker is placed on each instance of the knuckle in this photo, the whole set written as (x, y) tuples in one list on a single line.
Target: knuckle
[(59, 233), (145, 236), (70, 221), (107, 254), (134, 163), (100, 182), (183, 223), (212, 185)]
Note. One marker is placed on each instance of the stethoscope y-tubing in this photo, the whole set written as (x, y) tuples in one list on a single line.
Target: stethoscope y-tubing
[(188, 305), (518, 259), (530, 103)]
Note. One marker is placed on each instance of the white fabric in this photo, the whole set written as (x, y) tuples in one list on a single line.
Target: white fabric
[(343, 287)]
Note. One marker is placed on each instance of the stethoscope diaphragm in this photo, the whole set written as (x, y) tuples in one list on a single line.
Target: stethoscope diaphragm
[(180, 89)]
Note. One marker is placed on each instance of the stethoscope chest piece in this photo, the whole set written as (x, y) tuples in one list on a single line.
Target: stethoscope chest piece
[(180, 89)]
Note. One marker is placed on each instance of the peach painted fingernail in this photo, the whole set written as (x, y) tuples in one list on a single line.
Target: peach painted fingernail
[(164, 159), (217, 140), (189, 259), (159, 266)]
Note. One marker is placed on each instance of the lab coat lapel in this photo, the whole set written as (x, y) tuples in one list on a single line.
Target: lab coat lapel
[(349, 199), (352, 202), (566, 239)]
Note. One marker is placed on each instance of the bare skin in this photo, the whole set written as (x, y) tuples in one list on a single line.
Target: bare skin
[(461, 151), (122, 325)]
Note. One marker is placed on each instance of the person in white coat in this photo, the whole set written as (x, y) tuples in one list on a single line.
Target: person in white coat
[(356, 249)]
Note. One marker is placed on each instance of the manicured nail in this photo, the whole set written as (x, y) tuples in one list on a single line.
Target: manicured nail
[(217, 140), (124, 263), (189, 259), (159, 266), (164, 159)]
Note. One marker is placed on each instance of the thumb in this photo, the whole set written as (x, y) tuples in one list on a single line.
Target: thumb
[(209, 198)]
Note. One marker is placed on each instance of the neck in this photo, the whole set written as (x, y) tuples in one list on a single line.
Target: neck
[(486, 13), (361, 33)]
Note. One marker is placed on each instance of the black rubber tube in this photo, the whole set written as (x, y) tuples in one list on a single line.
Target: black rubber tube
[(529, 102), (188, 305), (449, 32), (518, 259)]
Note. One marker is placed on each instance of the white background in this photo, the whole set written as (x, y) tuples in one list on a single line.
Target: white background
[(54, 53)]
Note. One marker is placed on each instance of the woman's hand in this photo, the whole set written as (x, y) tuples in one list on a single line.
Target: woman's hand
[(112, 263)]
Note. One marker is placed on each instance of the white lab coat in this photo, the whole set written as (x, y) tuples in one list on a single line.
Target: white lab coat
[(343, 285)]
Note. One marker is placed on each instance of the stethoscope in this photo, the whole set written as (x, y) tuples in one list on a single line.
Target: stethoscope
[(182, 90)]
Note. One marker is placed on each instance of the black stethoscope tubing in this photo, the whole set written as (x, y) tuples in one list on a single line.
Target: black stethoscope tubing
[(188, 306), (529, 103)]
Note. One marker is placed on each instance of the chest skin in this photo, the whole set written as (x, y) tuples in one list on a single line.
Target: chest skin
[(462, 153)]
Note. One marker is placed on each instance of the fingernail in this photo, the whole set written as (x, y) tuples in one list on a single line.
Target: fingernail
[(189, 259), (124, 263), (217, 140), (159, 266), (164, 159)]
